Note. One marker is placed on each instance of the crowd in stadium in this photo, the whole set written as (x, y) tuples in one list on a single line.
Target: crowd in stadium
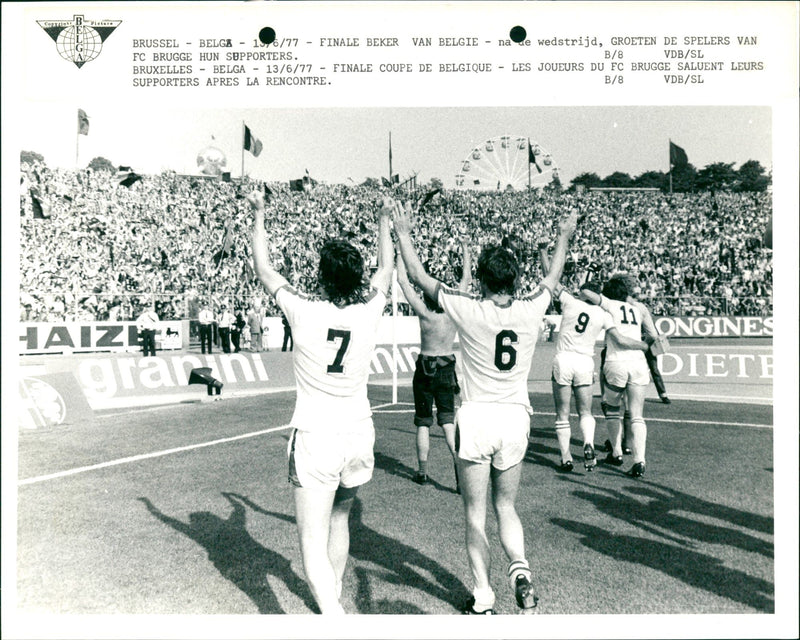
[(103, 251)]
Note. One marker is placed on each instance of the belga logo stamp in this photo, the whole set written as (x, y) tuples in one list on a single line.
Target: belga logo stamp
[(79, 40)]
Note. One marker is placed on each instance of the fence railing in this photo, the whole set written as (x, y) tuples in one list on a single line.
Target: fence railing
[(60, 306)]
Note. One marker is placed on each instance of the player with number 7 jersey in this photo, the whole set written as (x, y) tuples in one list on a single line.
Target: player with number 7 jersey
[(330, 451), (332, 355)]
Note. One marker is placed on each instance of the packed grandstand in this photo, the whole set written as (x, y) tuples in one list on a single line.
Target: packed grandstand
[(92, 249)]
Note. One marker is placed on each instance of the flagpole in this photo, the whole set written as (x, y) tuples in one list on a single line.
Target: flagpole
[(669, 160), (395, 355), (242, 145), (390, 157), (529, 165)]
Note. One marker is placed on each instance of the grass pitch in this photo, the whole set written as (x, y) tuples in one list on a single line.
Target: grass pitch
[(187, 510)]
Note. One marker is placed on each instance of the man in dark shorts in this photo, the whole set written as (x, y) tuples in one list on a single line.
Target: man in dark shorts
[(435, 379)]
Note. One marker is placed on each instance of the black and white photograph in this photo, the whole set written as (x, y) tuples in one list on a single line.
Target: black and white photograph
[(396, 310)]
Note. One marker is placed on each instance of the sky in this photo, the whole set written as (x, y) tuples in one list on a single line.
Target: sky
[(339, 145)]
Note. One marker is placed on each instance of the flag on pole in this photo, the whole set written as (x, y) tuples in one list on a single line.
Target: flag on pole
[(225, 249), (83, 123), (532, 158), (40, 211), (677, 156), (251, 143), (428, 197), (127, 176)]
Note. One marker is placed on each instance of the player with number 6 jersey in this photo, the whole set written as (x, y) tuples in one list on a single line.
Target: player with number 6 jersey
[(331, 448), (498, 335)]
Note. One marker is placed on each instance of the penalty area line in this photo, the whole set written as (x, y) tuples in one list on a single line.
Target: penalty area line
[(146, 456)]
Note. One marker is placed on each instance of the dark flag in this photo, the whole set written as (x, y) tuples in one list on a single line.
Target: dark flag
[(532, 158), (476, 181), (296, 185), (251, 143), (39, 212), (677, 156), (386, 182), (428, 197), (83, 123), (249, 274), (129, 179), (396, 178), (225, 249)]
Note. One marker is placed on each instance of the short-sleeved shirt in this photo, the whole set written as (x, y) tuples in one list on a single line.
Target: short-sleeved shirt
[(333, 349), (581, 324), (628, 321), (497, 342)]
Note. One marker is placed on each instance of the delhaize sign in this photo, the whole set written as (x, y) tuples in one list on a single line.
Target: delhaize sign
[(77, 337)]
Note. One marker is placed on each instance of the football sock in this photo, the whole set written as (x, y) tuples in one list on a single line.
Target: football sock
[(516, 568), (563, 434), (614, 426), (484, 599), (587, 424), (639, 439), (423, 467)]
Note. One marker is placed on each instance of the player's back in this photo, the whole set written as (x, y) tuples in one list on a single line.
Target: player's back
[(497, 343), (581, 324), (333, 349), (437, 334), (628, 321)]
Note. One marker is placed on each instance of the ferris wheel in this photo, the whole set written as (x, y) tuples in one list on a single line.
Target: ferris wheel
[(506, 162)]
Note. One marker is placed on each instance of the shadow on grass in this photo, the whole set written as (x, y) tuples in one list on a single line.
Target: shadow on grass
[(396, 468), (401, 563), (237, 556), (665, 508), (403, 566), (695, 569)]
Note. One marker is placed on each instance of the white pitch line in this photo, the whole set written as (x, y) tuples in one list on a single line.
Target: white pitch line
[(145, 456), (647, 419)]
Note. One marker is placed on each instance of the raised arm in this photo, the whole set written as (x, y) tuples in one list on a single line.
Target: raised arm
[(269, 277), (416, 272), (544, 259), (566, 227), (408, 289), (466, 265), (382, 279)]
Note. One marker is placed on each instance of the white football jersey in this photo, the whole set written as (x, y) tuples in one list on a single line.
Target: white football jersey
[(581, 324), (628, 321), (333, 349), (497, 343)]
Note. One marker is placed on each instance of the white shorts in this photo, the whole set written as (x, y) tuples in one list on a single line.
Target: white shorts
[(621, 373), (572, 369), (492, 432), (327, 460)]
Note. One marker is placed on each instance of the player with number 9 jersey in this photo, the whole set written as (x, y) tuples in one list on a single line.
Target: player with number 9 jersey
[(332, 355)]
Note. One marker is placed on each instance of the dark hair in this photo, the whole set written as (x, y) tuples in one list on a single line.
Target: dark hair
[(616, 290), (497, 269), (592, 285), (341, 271)]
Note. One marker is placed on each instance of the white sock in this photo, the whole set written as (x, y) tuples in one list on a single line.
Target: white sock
[(563, 433)]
